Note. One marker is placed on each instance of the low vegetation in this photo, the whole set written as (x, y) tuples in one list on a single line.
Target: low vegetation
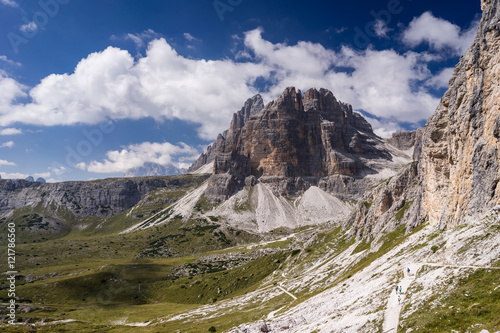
[(469, 303), (104, 281), (401, 213)]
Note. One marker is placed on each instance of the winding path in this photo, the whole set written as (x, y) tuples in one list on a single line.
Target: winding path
[(286, 291), (457, 266), (391, 316)]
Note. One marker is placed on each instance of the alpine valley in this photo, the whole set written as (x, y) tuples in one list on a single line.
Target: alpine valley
[(298, 218)]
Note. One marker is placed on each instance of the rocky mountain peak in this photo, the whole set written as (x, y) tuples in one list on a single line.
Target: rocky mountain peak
[(310, 135), (456, 176), (289, 103), (319, 100), (485, 3), (406, 140), (252, 106)]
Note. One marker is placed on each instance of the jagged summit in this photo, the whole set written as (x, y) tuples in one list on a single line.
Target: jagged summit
[(252, 106), (32, 179), (310, 135), (309, 147)]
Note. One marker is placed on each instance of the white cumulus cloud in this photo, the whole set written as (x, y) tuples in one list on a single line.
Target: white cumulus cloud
[(8, 144), (439, 33), (380, 82), (4, 162), (441, 80), (58, 170), (381, 29), (28, 27), (10, 3), (136, 155), (384, 127), (42, 175), (111, 85), (10, 90), (8, 61), (15, 175), (162, 84), (10, 131)]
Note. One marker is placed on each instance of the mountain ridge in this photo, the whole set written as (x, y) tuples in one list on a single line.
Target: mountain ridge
[(294, 140), (149, 169), (454, 179)]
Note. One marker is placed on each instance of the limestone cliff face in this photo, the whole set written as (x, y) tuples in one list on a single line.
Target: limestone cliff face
[(252, 106), (102, 198), (456, 175), (294, 137), (406, 140), (389, 204), (459, 164)]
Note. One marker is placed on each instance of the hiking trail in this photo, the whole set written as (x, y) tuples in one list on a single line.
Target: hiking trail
[(391, 316)]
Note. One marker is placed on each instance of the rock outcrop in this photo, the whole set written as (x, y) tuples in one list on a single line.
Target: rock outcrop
[(389, 204), (456, 176), (102, 198), (406, 140), (295, 142), (460, 145), (252, 106)]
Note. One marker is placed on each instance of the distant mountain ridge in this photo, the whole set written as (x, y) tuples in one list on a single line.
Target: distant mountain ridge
[(149, 169), (102, 198)]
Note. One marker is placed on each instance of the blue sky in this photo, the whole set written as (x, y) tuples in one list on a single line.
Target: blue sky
[(89, 89)]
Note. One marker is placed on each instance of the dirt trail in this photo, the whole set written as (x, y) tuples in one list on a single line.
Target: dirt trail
[(391, 316), (457, 266), (286, 291)]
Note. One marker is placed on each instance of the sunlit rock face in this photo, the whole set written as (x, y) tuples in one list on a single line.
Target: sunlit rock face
[(295, 136)]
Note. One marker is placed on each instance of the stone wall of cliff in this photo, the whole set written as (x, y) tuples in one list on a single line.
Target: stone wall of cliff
[(455, 178), (252, 106), (460, 145), (313, 135), (102, 198)]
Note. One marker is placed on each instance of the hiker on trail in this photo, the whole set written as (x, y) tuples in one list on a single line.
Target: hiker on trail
[(396, 289), (399, 299), (408, 271), (400, 288)]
